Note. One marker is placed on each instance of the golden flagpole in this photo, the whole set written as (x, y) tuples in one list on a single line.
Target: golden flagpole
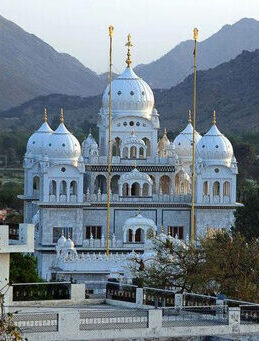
[(195, 37), (111, 29)]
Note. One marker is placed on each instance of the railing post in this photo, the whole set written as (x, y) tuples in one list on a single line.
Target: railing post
[(178, 300), (234, 318), (154, 318), (68, 323), (78, 292), (220, 308), (139, 297)]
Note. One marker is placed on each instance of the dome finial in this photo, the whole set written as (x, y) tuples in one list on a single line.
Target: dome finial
[(214, 117), (165, 131), (132, 132), (135, 164), (45, 115), (190, 116), (90, 131), (62, 115), (129, 45)]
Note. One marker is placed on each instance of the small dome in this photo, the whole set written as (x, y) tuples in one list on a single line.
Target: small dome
[(214, 146), (133, 140), (163, 145), (37, 143), (63, 145), (183, 142), (135, 175), (61, 241), (129, 93), (140, 222), (89, 145), (69, 244)]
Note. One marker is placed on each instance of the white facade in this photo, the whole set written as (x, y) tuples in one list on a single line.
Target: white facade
[(66, 186)]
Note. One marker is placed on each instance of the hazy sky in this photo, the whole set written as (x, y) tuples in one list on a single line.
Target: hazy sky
[(79, 27)]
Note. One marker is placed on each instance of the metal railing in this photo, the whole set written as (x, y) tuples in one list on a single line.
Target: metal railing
[(249, 314), (36, 322), (113, 319), (205, 315), (158, 297), (191, 299), (41, 291), (121, 292)]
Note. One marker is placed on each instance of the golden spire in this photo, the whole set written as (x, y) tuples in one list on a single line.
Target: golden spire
[(132, 132), (129, 45), (62, 115), (111, 29), (195, 33), (45, 115), (190, 116), (165, 131), (214, 117)]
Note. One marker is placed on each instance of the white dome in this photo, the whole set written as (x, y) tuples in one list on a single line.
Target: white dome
[(135, 175), (61, 241), (63, 145), (140, 222), (183, 142), (69, 244), (37, 143), (129, 93), (214, 146), (133, 140)]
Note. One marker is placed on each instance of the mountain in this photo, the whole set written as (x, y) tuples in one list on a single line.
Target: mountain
[(232, 89), (29, 67), (177, 64)]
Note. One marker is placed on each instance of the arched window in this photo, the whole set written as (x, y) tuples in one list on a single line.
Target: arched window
[(226, 188), (154, 184), (205, 188), (125, 153), (116, 147), (100, 183), (135, 189), (216, 188), (139, 236), (165, 184), (141, 153), (133, 152), (114, 184), (147, 143), (73, 187), (63, 188), (130, 236), (145, 191), (125, 190), (53, 187), (36, 184)]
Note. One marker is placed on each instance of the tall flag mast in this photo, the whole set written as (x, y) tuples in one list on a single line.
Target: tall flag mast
[(111, 29), (195, 37)]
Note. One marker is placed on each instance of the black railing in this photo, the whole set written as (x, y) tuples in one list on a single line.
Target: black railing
[(190, 299), (249, 314), (13, 231), (41, 291), (158, 297), (121, 292)]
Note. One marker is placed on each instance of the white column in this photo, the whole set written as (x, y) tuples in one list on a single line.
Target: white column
[(57, 189), (137, 149), (140, 190), (149, 190), (120, 190), (68, 190)]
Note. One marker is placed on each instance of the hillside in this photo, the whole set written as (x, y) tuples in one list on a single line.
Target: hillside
[(221, 47), (232, 89), (29, 67)]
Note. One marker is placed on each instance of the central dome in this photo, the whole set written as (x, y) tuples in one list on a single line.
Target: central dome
[(129, 94)]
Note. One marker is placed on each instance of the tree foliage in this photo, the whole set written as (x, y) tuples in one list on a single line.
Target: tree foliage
[(219, 264), (23, 268), (247, 217)]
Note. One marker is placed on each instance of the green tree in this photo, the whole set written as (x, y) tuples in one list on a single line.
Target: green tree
[(23, 268), (247, 217), (8, 195)]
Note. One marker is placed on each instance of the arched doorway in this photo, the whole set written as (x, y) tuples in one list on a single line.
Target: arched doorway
[(100, 183)]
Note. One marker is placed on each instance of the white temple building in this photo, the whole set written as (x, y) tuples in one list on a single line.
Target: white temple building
[(65, 190)]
